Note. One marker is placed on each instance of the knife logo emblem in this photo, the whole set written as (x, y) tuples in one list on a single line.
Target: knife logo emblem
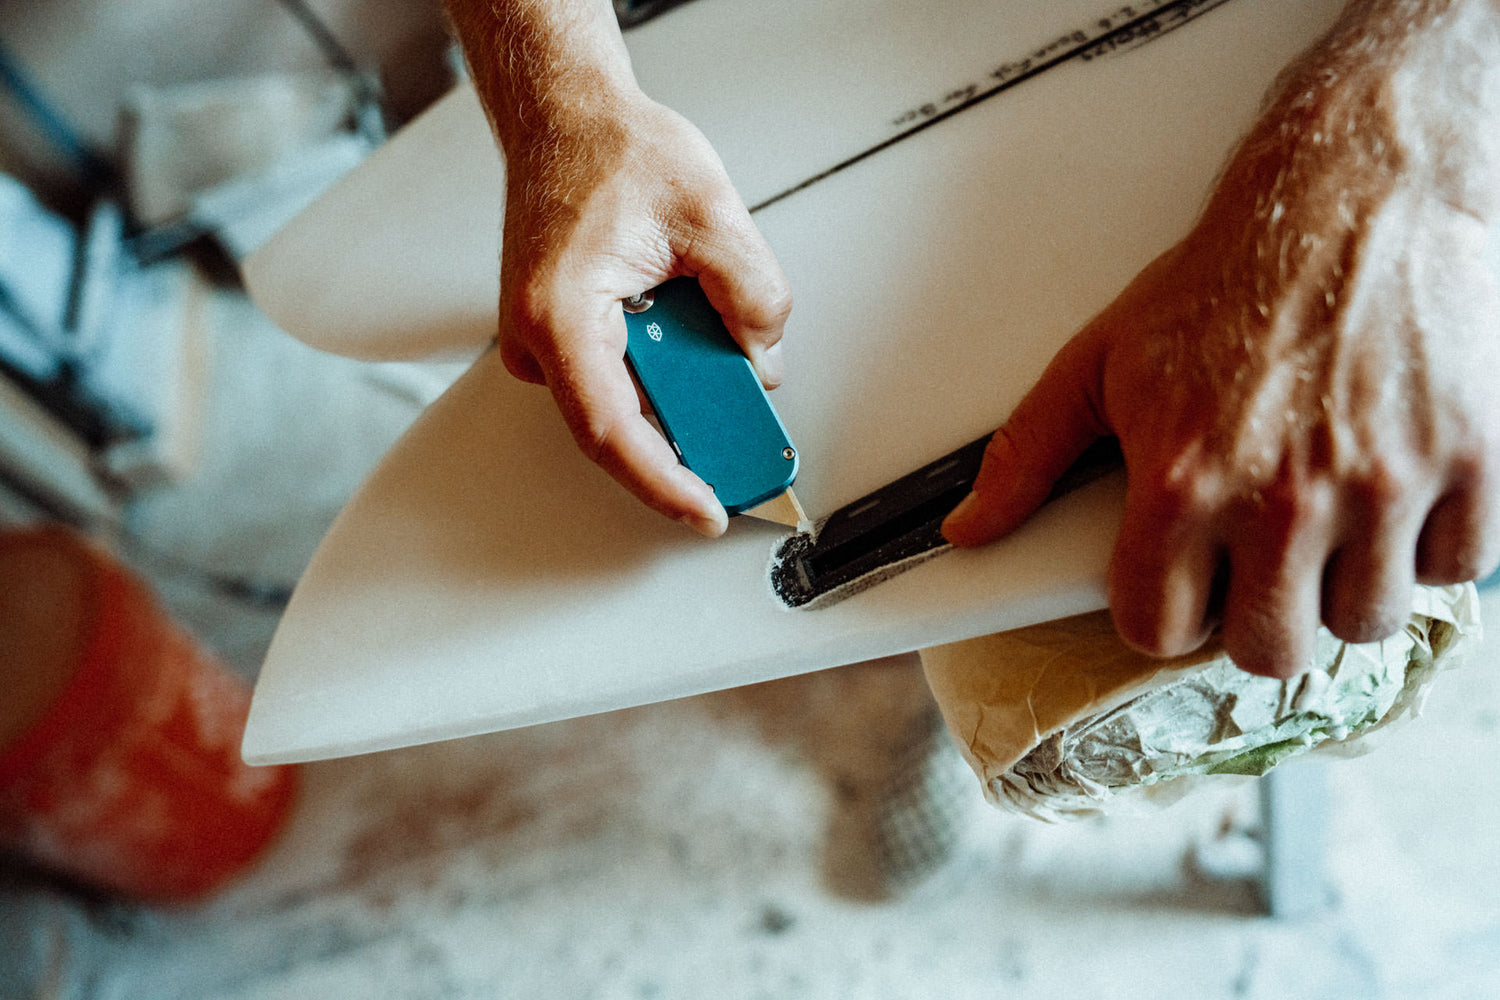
[(653, 330)]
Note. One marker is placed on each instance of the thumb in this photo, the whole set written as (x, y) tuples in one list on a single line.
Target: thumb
[(1053, 425)]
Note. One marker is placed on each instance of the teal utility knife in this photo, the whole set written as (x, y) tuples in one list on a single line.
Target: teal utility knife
[(709, 402)]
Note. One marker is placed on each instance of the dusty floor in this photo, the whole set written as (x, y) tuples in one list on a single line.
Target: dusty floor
[(721, 846)]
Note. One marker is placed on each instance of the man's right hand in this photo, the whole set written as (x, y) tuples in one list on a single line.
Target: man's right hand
[(634, 197), (608, 194)]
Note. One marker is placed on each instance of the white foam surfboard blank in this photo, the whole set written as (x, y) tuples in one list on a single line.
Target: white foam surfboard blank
[(487, 576)]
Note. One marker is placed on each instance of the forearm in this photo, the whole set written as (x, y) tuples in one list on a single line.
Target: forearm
[(542, 67), (1397, 107), (1400, 92), (1445, 94)]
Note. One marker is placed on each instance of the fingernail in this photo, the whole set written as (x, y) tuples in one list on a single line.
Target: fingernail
[(708, 517), (705, 524), (772, 367), (964, 509), (956, 518)]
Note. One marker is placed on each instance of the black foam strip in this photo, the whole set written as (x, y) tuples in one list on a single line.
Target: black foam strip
[(898, 526)]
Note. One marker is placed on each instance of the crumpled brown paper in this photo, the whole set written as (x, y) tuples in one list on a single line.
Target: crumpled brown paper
[(1060, 718)]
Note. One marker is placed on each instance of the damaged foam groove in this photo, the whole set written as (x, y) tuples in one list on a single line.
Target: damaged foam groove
[(899, 526)]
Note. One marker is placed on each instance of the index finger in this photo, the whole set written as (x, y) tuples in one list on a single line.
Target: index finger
[(745, 284)]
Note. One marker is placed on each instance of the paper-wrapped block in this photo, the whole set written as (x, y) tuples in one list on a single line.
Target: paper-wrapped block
[(1059, 718)]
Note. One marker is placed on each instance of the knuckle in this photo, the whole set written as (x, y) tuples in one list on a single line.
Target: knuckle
[(1183, 499), (1457, 561), (1474, 474), (1182, 491), (763, 314), (1284, 511), (1473, 466), (1378, 489), (773, 306), (527, 311), (519, 361), (1006, 473), (1283, 508), (595, 428), (598, 437), (1002, 447), (707, 210)]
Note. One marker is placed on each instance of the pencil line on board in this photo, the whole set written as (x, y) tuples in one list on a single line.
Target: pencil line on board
[(1135, 30)]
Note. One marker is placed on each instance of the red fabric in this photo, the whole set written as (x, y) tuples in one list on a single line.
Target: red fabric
[(132, 779)]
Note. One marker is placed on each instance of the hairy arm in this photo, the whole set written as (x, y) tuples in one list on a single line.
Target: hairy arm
[(608, 194), (1305, 388)]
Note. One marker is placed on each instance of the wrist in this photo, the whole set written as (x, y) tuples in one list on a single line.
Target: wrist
[(1408, 88), (1400, 95), (545, 70), (1445, 100)]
